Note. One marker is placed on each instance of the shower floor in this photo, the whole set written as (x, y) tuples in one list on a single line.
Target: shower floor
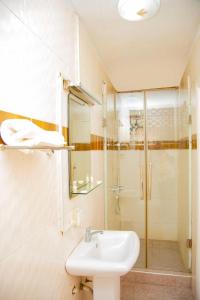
[(162, 255)]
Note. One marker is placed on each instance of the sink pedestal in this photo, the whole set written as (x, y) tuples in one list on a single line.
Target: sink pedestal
[(106, 288), (105, 258)]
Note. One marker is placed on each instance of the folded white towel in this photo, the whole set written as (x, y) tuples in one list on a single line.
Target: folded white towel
[(21, 132)]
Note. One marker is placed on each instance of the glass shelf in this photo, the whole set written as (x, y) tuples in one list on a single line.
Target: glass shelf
[(50, 148), (87, 188)]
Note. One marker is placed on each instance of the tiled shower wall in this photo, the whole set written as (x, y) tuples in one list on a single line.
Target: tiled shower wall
[(161, 123), (38, 40)]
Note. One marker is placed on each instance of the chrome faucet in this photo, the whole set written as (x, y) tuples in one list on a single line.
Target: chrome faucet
[(89, 233)]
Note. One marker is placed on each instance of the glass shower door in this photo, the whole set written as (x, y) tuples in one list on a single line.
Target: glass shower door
[(112, 217), (163, 203), (131, 171), (149, 176)]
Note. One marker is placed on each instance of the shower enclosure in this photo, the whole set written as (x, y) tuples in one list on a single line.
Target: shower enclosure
[(148, 175)]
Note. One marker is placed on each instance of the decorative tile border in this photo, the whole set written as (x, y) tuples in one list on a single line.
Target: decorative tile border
[(97, 142), (82, 146), (154, 145), (194, 141)]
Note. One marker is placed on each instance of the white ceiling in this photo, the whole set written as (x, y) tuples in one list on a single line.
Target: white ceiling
[(141, 55)]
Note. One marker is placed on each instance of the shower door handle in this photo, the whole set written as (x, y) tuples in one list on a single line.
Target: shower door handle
[(149, 183), (149, 180), (117, 188), (141, 183)]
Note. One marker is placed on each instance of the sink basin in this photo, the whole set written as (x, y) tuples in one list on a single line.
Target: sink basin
[(108, 254), (106, 257)]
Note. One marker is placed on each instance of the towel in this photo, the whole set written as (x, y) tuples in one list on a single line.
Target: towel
[(21, 132)]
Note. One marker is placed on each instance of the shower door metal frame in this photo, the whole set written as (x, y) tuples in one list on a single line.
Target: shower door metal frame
[(146, 194), (145, 178)]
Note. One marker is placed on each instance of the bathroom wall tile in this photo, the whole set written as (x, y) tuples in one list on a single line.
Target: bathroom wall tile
[(23, 193), (54, 22), (97, 173), (29, 227), (97, 120), (91, 73), (137, 227), (37, 42), (25, 71), (42, 274), (113, 219)]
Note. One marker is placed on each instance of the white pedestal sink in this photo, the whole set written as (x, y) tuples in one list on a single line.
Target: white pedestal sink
[(106, 257)]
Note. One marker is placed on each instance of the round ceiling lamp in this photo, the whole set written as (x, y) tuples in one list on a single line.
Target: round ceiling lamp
[(138, 10)]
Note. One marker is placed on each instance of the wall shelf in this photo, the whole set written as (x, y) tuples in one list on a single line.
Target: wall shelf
[(86, 189), (50, 148)]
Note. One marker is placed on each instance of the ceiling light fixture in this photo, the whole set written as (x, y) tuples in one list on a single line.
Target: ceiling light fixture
[(138, 10)]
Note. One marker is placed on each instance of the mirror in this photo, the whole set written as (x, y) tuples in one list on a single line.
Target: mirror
[(81, 180)]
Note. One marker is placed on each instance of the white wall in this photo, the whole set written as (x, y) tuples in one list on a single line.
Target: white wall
[(38, 40), (90, 66)]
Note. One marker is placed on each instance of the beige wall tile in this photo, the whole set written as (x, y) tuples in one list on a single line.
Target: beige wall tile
[(38, 41)]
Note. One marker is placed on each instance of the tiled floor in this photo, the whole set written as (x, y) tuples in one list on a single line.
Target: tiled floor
[(154, 292), (162, 255), (147, 286)]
